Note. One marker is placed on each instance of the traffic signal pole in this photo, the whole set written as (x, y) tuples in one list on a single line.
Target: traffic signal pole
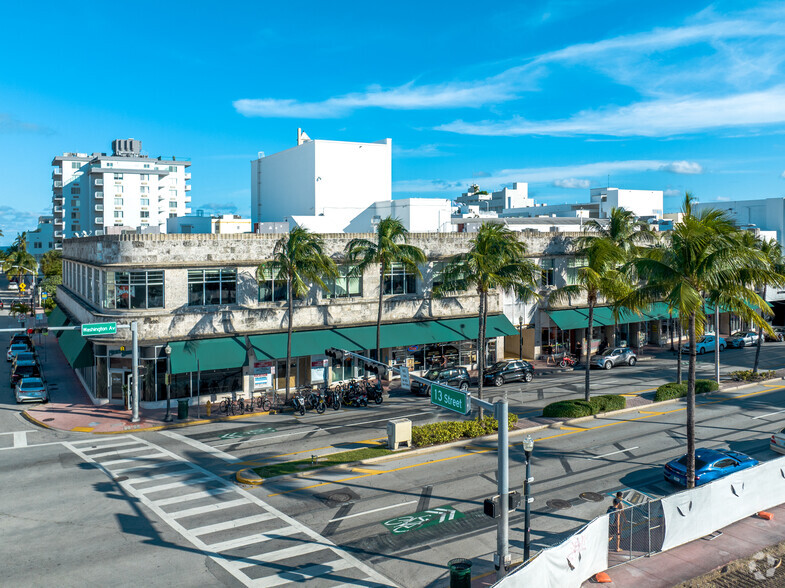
[(500, 410)]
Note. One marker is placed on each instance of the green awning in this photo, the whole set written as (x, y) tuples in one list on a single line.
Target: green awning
[(230, 352), (578, 318), (570, 319), (212, 354), (77, 350), (57, 318)]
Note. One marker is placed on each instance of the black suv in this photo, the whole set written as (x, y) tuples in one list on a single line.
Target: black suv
[(456, 377), (22, 338), (509, 371)]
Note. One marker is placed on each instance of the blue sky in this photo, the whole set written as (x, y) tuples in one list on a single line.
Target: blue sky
[(561, 94)]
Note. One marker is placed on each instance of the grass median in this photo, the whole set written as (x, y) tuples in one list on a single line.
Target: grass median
[(333, 459)]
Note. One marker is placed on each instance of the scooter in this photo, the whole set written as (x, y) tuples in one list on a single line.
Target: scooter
[(568, 361)]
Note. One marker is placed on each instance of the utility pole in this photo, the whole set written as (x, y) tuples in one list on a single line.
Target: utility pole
[(135, 372), (503, 468)]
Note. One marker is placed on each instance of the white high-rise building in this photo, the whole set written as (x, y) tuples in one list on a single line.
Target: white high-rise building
[(337, 179), (125, 189)]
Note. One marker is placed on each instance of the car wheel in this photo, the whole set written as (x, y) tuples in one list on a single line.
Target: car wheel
[(743, 344), (498, 381), (608, 365), (527, 377), (701, 350), (722, 348), (464, 386), (632, 361)]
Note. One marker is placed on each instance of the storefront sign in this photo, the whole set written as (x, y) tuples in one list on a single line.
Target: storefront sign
[(406, 383), (263, 372), (318, 370), (449, 398), (414, 348)]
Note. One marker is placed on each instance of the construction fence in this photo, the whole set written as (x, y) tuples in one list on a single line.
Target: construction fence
[(645, 529)]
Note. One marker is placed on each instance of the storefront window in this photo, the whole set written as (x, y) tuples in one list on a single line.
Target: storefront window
[(345, 285), (400, 280), (206, 287), (134, 290), (270, 289), (100, 377), (548, 273)]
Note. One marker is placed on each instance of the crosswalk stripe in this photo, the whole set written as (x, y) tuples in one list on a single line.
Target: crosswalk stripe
[(127, 459), (118, 451), (169, 486), (233, 524), (294, 551), (146, 466), (181, 514), (252, 539), (304, 574), (114, 444), (161, 476), (193, 496)]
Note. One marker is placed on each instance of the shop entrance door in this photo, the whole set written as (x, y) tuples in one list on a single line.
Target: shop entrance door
[(117, 379)]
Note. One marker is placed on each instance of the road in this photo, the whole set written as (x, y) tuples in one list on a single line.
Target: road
[(162, 508)]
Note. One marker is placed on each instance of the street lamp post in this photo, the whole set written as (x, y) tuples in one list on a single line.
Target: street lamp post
[(520, 337), (168, 350), (528, 446)]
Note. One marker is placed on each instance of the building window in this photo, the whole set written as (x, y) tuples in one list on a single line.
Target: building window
[(76, 228), (75, 202), (37, 245), (172, 168), (345, 285), (75, 165), (75, 190), (548, 273), (144, 177), (437, 274), (118, 176), (119, 190), (399, 280), (144, 202), (74, 215), (134, 290), (118, 201), (146, 166), (144, 214), (270, 289), (173, 204), (118, 214), (212, 287), (143, 189), (109, 164), (172, 215), (573, 265)]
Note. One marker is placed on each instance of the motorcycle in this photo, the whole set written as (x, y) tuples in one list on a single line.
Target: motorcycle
[(568, 361)]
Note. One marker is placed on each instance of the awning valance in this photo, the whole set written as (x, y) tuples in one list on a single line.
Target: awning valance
[(77, 350)]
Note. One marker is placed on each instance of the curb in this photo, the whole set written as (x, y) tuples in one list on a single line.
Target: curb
[(27, 417), (250, 477)]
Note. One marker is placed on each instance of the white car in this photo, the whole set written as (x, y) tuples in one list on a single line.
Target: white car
[(705, 344), (778, 442), (13, 286), (14, 349)]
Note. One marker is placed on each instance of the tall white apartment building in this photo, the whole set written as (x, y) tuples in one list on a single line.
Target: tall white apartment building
[(337, 179), (124, 189)]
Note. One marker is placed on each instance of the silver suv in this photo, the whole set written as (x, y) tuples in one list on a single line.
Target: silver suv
[(613, 357)]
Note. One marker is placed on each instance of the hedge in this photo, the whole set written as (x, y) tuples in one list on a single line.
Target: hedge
[(749, 376), (580, 408), (444, 432), (673, 390)]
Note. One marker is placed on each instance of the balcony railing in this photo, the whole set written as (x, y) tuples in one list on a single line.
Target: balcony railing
[(99, 181), (57, 184), (99, 220), (99, 207), (187, 211), (99, 195), (188, 176), (59, 221), (187, 188), (58, 234), (58, 246), (58, 171), (58, 210), (59, 200), (187, 198)]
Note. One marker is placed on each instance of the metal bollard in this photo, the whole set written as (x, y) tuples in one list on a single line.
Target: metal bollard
[(209, 407)]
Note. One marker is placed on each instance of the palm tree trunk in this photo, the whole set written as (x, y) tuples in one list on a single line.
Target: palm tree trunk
[(691, 407), (587, 377), (717, 343), (379, 315), (481, 347), (289, 338), (760, 341), (616, 333), (678, 361)]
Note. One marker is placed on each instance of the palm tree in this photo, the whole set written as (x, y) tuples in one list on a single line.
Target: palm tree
[(298, 259), (20, 242), (772, 253), (390, 247), (599, 278), (19, 262), (626, 232), (703, 254), (496, 259)]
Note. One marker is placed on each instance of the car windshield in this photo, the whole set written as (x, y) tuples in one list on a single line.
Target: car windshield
[(607, 351), (738, 334), (499, 365), (25, 369), (432, 374), (699, 463), (24, 356), (31, 383), (18, 347)]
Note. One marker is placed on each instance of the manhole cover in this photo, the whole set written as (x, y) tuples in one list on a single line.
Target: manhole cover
[(48, 420), (340, 497), (557, 504), (337, 497), (592, 496), (121, 479)]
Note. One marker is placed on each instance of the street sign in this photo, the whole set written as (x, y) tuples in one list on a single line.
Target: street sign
[(406, 383), (419, 520), (93, 329), (450, 398), (22, 286), (44, 295)]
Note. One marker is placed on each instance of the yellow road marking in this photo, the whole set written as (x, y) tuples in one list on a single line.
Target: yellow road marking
[(83, 429), (272, 457)]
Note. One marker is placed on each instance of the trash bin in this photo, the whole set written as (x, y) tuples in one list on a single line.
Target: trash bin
[(460, 573), (182, 409)]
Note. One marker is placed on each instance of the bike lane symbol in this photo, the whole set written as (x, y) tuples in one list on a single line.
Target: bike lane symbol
[(419, 520)]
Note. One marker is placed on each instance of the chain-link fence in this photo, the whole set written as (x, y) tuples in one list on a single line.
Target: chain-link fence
[(635, 531)]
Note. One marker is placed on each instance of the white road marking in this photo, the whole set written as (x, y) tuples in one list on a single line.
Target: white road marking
[(118, 451), (181, 514), (233, 524), (170, 485), (201, 446), (114, 444), (173, 474), (193, 496), (132, 459), (253, 539), (36, 445), (611, 453), (305, 432), (359, 514), (305, 574), (20, 437), (763, 416)]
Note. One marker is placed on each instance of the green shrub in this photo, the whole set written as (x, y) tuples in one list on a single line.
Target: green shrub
[(447, 431), (607, 403), (568, 409), (670, 391), (749, 376), (704, 386)]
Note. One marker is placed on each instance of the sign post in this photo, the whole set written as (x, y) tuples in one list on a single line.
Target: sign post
[(95, 329)]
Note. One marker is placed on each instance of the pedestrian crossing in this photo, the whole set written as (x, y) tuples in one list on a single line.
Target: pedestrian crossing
[(257, 544)]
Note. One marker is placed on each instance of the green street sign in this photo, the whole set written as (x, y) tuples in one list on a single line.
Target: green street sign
[(419, 520), (450, 398), (93, 329)]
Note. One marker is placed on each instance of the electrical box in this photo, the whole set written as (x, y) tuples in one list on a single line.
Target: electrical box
[(399, 431)]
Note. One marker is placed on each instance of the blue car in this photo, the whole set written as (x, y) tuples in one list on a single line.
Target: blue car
[(710, 464)]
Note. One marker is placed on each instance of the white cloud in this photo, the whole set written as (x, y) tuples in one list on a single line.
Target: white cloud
[(782, 175), (548, 175), (655, 118), (431, 150), (672, 192), (683, 167), (9, 124), (572, 183)]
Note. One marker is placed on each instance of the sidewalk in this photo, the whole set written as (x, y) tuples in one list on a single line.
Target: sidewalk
[(691, 560)]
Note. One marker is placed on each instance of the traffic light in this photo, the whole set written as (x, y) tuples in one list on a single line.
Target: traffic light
[(490, 506), (377, 369), (29, 331), (336, 354)]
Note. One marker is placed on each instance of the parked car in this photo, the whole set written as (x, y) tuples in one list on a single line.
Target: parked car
[(30, 390), (777, 442), (13, 286), (14, 349), (24, 369), (742, 339), (457, 377), (511, 370), (22, 356), (710, 464), (704, 344), (613, 357), (779, 335), (22, 338)]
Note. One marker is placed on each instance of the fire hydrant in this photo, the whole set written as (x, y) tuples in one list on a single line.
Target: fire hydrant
[(209, 407)]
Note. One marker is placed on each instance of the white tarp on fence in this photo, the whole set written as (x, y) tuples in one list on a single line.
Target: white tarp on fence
[(568, 564), (700, 511)]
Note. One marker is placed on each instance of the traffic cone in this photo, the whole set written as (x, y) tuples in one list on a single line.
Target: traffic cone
[(602, 578)]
